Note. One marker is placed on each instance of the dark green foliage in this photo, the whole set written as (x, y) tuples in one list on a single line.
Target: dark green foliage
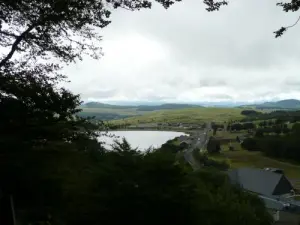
[(268, 128), (284, 146), (217, 164), (284, 116), (250, 113), (250, 144), (41, 141), (241, 126), (215, 131), (259, 133), (213, 145), (170, 147), (159, 191), (217, 183)]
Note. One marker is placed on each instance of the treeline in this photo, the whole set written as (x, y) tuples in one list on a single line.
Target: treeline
[(282, 146), (240, 126), (284, 115), (102, 116)]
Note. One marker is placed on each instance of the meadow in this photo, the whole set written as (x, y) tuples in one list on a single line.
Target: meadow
[(188, 115)]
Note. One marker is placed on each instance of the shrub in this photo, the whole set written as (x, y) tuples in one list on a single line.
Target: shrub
[(250, 144), (223, 164)]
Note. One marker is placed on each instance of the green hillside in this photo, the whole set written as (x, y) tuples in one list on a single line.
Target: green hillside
[(103, 111), (189, 115)]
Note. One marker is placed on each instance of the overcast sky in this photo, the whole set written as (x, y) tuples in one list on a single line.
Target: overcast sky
[(186, 54)]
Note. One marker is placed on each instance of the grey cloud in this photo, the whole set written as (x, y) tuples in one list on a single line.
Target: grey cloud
[(292, 82), (99, 93), (220, 96), (233, 50), (211, 82), (240, 35)]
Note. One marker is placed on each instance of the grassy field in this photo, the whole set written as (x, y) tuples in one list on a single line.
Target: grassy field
[(226, 134), (189, 115)]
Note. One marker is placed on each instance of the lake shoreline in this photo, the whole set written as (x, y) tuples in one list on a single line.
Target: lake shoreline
[(140, 139), (189, 132)]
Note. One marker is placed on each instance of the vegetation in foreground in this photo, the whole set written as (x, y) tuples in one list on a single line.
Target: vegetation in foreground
[(92, 187)]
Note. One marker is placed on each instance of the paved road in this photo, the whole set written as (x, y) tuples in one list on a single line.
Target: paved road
[(200, 142)]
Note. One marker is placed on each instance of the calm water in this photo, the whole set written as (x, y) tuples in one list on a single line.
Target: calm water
[(143, 139)]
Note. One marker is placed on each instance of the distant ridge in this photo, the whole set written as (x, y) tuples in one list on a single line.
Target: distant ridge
[(283, 104), (105, 106), (140, 107)]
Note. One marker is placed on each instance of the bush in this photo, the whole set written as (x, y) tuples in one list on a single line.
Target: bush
[(259, 133), (218, 164), (250, 113), (213, 145), (250, 144)]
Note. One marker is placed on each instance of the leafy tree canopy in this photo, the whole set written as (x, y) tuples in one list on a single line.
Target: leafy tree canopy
[(149, 188)]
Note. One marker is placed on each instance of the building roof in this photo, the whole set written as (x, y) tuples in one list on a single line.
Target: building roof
[(188, 142), (183, 138), (260, 181)]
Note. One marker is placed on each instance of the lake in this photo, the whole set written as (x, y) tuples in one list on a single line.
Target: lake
[(142, 139)]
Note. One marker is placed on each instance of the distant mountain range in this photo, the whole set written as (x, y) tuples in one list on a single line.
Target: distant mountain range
[(289, 104), (140, 107), (104, 111), (152, 106)]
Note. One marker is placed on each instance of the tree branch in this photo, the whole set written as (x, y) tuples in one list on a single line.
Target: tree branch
[(280, 32), (294, 23), (8, 34), (14, 47)]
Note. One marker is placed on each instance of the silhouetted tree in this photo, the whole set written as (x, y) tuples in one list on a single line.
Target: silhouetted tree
[(213, 145), (250, 144)]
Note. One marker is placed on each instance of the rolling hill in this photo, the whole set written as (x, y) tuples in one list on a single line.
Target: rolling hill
[(103, 111), (289, 104), (100, 105)]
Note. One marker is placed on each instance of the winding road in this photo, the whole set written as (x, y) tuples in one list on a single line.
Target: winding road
[(199, 143)]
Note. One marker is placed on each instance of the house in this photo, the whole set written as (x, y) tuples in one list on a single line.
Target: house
[(273, 188), (183, 138), (185, 143), (274, 170), (240, 139), (260, 181)]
